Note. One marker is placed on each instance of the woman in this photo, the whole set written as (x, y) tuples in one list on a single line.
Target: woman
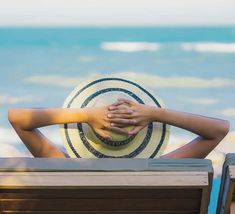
[(115, 117)]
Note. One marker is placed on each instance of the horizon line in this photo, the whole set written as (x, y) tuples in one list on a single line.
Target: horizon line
[(120, 26)]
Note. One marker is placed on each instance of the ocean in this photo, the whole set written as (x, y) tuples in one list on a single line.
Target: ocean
[(191, 68)]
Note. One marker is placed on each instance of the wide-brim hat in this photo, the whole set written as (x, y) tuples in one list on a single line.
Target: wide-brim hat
[(82, 142)]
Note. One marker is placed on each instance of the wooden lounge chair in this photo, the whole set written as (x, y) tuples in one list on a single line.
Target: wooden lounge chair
[(226, 200), (104, 186)]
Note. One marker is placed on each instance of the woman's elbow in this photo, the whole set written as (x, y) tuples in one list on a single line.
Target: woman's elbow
[(224, 129), (13, 116)]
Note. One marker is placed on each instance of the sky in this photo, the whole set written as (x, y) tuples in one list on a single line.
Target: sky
[(116, 12)]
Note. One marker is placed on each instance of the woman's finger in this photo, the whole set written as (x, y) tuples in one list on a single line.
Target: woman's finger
[(123, 116), (103, 133), (128, 102), (119, 125), (122, 111), (123, 121), (135, 130), (116, 104), (112, 108)]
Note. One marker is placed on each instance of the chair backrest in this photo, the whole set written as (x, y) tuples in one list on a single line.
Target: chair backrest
[(41, 185), (226, 200)]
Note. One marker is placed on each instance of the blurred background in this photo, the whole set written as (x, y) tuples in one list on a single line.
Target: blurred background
[(183, 50)]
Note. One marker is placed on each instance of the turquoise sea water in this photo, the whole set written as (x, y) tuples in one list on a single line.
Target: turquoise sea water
[(191, 68), (78, 52)]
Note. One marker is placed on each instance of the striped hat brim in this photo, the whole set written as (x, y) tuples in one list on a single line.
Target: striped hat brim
[(80, 140)]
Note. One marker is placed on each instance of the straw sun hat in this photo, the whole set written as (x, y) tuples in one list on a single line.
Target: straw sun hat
[(80, 140)]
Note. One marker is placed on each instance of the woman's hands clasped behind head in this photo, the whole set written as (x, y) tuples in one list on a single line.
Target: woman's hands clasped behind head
[(126, 112), (98, 119)]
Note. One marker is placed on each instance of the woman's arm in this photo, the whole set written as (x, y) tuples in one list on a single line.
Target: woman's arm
[(210, 131), (27, 121)]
